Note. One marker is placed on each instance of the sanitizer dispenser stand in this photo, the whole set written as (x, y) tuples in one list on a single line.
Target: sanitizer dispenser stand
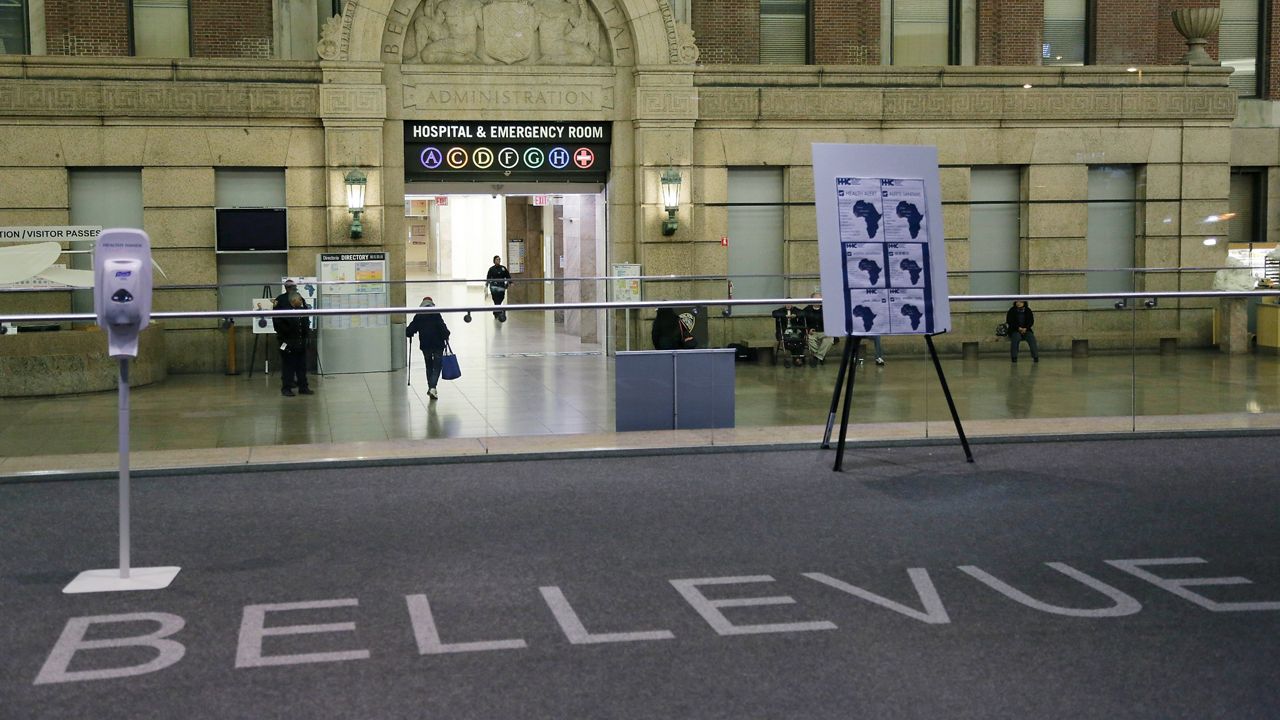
[(122, 302)]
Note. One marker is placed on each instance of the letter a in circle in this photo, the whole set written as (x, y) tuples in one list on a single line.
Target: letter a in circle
[(431, 158)]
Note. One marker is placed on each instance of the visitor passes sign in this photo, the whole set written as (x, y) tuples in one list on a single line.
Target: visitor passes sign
[(506, 151)]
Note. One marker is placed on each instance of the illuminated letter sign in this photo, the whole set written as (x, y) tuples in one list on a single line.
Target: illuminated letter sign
[(558, 157), (505, 150), (431, 157)]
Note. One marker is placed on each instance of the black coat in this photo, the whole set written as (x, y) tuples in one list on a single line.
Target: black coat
[(667, 333), (1011, 319), (292, 332), (499, 278), (431, 331), (813, 317)]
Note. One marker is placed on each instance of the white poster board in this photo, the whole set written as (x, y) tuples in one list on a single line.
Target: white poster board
[(262, 324), (880, 241), (626, 282)]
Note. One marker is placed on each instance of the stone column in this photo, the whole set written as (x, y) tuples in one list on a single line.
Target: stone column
[(666, 107), (1233, 330), (353, 110)]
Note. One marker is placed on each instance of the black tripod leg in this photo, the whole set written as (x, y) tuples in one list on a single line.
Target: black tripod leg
[(847, 357), (955, 417), (848, 399)]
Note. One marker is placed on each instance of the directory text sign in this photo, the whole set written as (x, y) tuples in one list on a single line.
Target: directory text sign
[(880, 243)]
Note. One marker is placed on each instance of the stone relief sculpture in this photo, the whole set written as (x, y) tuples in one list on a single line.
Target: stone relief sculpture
[(688, 47), (330, 37), (505, 32)]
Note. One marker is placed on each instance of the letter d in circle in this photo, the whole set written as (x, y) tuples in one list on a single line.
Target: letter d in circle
[(482, 157)]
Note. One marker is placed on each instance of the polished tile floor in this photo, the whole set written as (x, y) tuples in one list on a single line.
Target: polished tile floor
[(529, 386)]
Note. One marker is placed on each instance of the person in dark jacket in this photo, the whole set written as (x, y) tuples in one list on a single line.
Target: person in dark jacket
[(1020, 320), (667, 333), (293, 333), (498, 278), (432, 334)]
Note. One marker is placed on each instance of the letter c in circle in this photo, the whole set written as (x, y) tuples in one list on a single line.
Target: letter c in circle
[(456, 157)]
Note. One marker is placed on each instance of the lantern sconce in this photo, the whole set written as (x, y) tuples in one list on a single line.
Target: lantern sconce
[(670, 200), (356, 181)]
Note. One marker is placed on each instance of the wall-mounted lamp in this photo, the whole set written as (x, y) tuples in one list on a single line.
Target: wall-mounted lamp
[(356, 182), (670, 200)]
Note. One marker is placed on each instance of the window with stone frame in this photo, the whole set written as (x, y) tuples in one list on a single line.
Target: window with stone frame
[(1247, 218), (1238, 43), (924, 32), (160, 28), (785, 29), (1111, 240), (995, 233), (13, 27), (1066, 32)]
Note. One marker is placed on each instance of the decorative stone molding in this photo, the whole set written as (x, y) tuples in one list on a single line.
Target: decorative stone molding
[(346, 101), (633, 32), (185, 100), (505, 32), (728, 104), (985, 105), (566, 94), (330, 38), (821, 104), (679, 103), (685, 45)]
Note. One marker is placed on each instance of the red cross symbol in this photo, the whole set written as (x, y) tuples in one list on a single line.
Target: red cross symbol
[(584, 158)]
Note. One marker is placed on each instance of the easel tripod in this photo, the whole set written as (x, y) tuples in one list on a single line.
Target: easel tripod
[(848, 370)]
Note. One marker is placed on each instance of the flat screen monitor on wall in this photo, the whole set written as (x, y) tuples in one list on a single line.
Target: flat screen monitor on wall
[(251, 230)]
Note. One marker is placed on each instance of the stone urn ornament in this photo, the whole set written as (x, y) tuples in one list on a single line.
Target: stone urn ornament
[(1196, 25)]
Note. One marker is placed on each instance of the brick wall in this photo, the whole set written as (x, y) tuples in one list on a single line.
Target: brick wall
[(728, 31), (231, 28), (1273, 53), (1170, 45), (87, 27), (1010, 32), (846, 32), (1125, 32)]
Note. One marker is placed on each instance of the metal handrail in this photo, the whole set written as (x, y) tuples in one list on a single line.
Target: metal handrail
[(672, 278), (615, 305)]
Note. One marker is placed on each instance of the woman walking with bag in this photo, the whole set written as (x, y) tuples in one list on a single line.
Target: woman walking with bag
[(433, 336)]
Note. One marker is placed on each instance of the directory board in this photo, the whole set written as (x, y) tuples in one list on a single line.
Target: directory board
[(880, 241)]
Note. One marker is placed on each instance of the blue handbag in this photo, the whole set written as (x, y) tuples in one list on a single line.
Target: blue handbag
[(449, 369)]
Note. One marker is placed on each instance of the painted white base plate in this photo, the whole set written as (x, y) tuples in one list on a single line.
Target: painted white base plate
[(109, 580)]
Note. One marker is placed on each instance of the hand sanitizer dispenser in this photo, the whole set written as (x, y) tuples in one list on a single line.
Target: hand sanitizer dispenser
[(122, 288)]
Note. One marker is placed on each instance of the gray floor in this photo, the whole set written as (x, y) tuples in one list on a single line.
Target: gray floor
[(481, 542)]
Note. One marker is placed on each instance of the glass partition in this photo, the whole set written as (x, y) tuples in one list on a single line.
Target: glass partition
[(544, 379)]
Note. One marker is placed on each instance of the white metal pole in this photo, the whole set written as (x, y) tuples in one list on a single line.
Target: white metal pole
[(123, 422)]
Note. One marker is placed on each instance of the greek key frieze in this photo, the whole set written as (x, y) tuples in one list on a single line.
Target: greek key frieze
[(160, 100)]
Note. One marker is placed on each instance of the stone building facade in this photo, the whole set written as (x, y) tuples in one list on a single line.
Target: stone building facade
[(704, 106)]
